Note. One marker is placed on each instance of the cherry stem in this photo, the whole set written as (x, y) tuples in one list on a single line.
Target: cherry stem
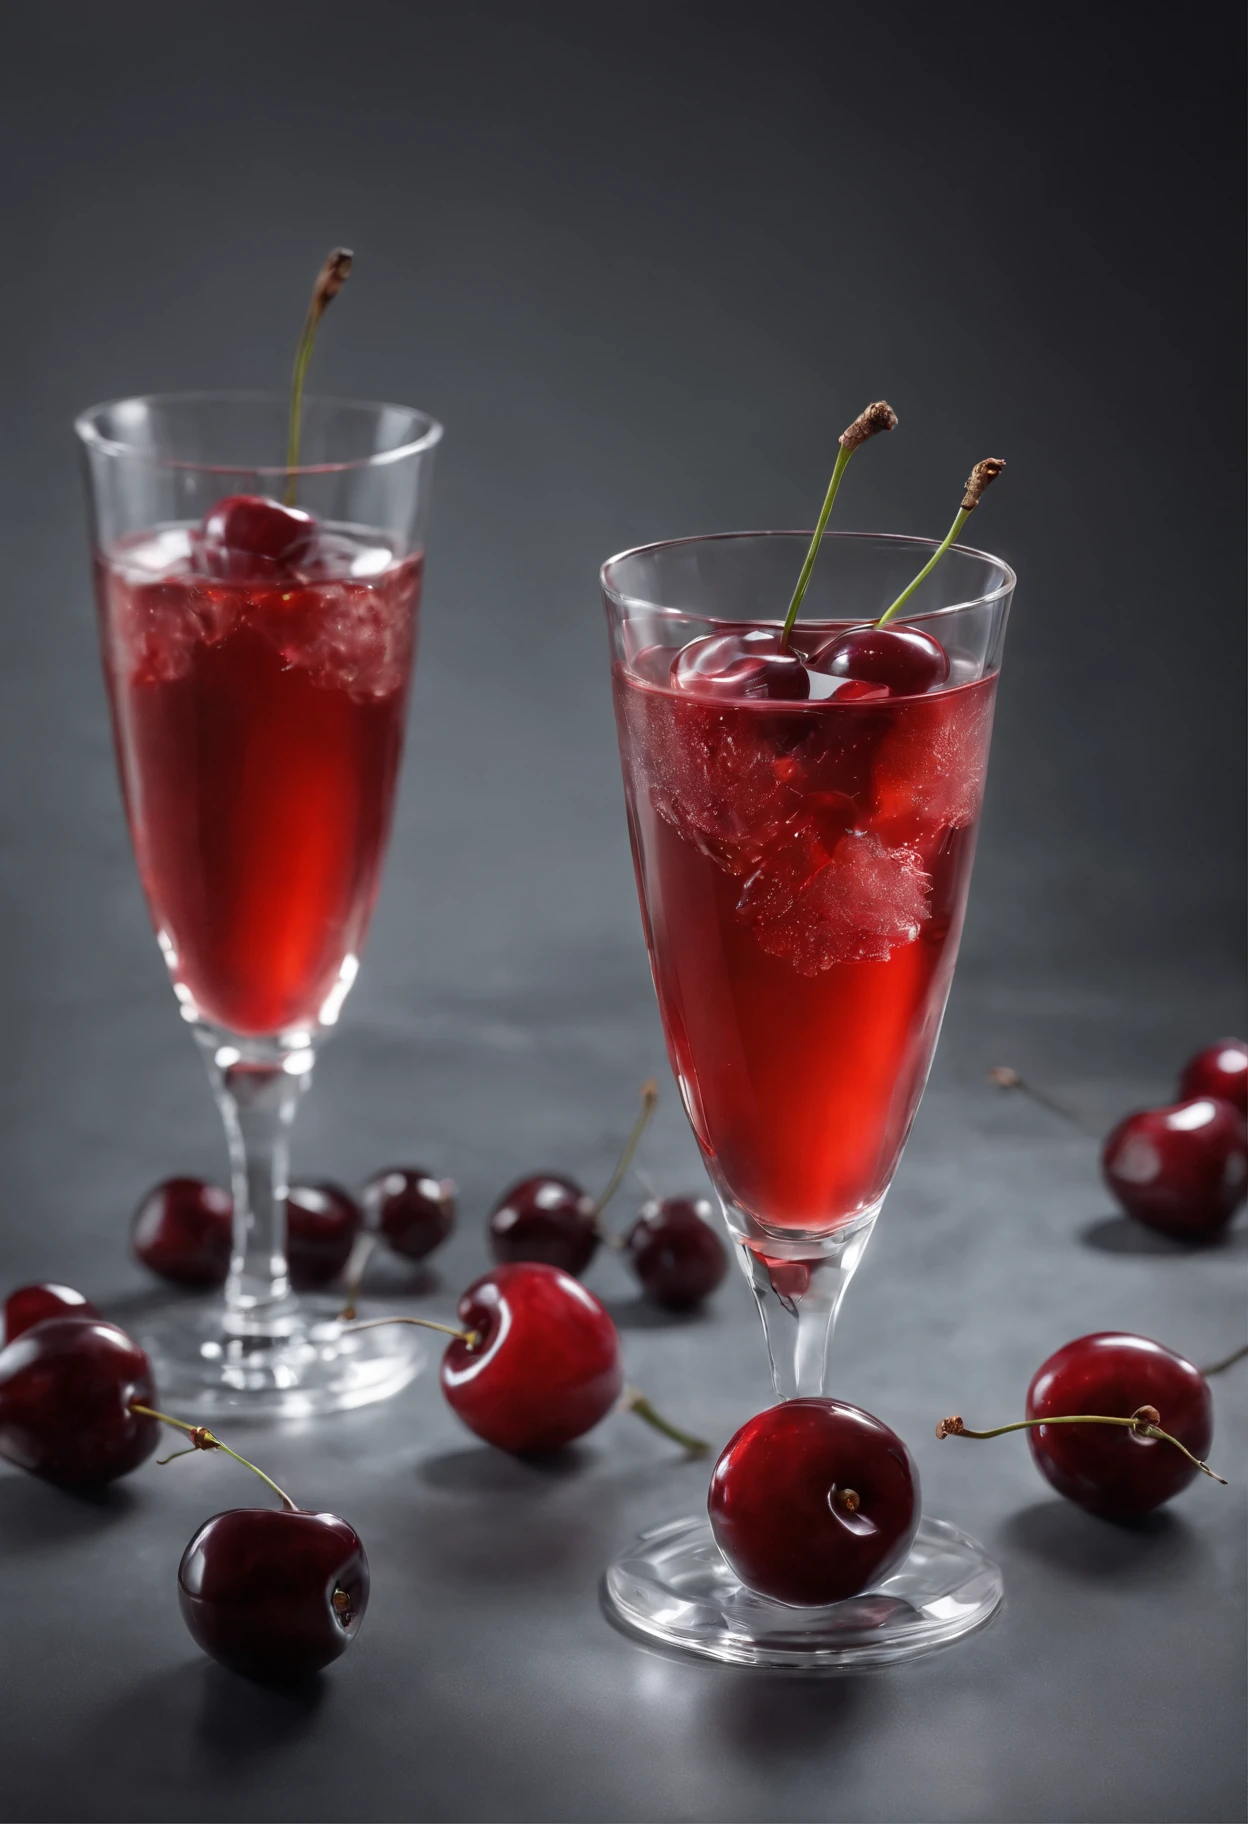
[(1006, 1077), (362, 1253), (649, 1099), (1143, 1422), (329, 282), (1228, 1361), (633, 1400), (877, 417), (981, 475), (202, 1439), (470, 1337)]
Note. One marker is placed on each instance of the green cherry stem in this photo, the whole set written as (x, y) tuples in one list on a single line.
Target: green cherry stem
[(202, 1439), (329, 282), (470, 1337), (981, 475), (877, 417), (633, 1400), (1228, 1361), (1144, 1422), (649, 1100)]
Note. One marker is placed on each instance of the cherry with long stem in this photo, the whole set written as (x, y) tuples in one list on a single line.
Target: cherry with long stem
[(1144, 1422), (877, 417), (980, 478), (329, 282), (203, 1439)]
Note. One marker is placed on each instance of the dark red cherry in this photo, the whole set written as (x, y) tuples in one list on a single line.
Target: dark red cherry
[(322, 1222), (905, 659), (814, 1501), (272, 1594), (246, 535), (1107, 1468), (1221, 1069), (1183, 1169), (546, 1218), (30, 1305), (181, 1231), (66, 1387), (411, 1209), (675, 1253), (730, 666), (546, 1363)]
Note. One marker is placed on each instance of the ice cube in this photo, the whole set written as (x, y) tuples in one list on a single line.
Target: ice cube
[(865, 901)]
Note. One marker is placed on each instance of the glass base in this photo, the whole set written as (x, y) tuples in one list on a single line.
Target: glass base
[(673, 1586), (307, 1365)]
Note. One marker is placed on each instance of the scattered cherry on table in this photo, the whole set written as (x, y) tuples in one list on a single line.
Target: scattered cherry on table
[(1182, 1170), (410, 1209), (814, 1501), (1115, 1422), (547, 1218), (1221, 1070), (181, 1231), (273, 1593), (1109, 1469), (539, 1364), (31, 1305), (67, 1387), (675, 1253)]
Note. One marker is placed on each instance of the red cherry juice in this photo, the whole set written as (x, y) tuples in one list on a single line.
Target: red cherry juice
[(803, 870), (259, 725)]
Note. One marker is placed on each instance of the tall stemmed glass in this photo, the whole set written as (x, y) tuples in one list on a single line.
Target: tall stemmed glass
[(258, 706), (803, 869)]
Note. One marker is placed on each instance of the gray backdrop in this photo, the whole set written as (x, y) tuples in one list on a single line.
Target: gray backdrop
[(645, 262)]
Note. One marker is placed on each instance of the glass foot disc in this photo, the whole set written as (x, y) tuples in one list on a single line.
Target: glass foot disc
[(311, 1367), (673, 1586)]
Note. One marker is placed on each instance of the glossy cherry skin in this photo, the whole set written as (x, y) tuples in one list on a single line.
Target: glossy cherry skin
[(675, 1253), (730, 666), (322, 1222), (1106, 1468), (66, 1387), (904, 659), (1221, 1069), (779, 1508), (246, 535), (546, 1218), (31, 1305), (546, 1364), (257, 1590), (1183, 1169), (181, 1231), (410, 1209)]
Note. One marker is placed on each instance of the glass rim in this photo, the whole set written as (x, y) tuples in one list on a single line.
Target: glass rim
[(623, 600), (87, 429)]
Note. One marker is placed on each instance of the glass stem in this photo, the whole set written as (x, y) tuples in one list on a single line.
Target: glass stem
[(799, 1294), (258, 1096)]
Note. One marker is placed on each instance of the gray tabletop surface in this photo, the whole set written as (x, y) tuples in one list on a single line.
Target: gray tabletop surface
[(645, 262)]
